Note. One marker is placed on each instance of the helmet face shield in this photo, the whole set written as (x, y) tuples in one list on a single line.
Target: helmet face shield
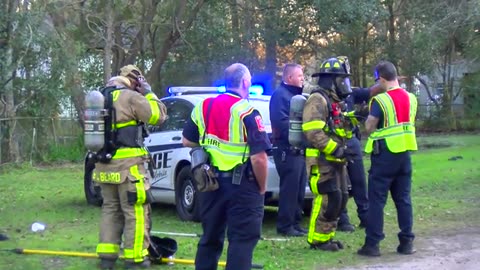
[(342, 86)]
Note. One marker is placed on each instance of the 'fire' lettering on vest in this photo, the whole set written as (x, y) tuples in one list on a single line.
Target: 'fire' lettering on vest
[(213, 142)]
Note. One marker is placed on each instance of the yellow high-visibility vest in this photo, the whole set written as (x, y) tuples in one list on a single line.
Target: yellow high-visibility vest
[(225, 154), (399, 137)]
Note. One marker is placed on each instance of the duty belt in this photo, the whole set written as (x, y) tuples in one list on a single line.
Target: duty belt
[(292, 150)]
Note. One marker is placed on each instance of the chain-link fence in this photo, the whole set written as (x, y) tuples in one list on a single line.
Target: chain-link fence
[(49, 139), (38, 139)]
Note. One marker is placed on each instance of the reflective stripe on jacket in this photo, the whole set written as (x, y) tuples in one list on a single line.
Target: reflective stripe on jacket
[(225, 139), (399, 136)]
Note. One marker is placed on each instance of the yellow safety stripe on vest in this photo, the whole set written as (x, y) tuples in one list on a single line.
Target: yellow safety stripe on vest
[(139, 234), (125, 124), (313, 125), (241, 108), (413, 107), (386, 102), (107, 248), (151, 97), (313, 236), (392, 131), (331, 145), (314, 177), (129, 152)]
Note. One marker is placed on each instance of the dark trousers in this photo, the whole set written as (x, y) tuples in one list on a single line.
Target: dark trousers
[(356, 173), (293, 179), (236, 210), (389, 172)]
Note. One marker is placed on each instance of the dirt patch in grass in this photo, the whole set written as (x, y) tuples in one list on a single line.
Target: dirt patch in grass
[(445, 250)]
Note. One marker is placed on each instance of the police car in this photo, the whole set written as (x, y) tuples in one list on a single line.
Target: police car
[(172, 181)]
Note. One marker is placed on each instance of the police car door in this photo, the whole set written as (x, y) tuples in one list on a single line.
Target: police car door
[(165, 143)]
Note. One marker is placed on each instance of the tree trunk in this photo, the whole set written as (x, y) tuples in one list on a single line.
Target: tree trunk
[(271, 44), (107, 52), (8, 72)]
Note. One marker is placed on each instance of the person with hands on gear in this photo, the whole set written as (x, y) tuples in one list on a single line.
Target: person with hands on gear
[(289, 160), (327, 131), (123, 180), (232, 133), (355, 168), (391, 129)]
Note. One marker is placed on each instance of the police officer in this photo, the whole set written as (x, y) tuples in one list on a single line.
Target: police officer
[(327, 132), (355, 167), (123, 179), (236, 142), (289, 160), (392, 137)]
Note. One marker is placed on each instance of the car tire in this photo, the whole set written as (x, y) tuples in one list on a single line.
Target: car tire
[(185, 199), (92, 191)]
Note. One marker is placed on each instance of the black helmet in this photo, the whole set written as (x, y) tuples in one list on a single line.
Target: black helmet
[(334, 66), (161, 247), (334, 75)]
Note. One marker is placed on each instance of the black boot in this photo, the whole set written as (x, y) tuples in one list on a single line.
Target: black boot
[(300, 229), (338, 243), (370, 251), (140, 265), (326, 246), (406, 247), (3, 237), (345, 227)]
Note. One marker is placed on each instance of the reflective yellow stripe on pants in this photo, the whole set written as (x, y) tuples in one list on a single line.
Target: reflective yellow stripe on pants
[(314, 236), (107, 248), (138, 252)]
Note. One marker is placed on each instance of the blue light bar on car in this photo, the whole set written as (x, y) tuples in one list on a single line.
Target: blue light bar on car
[(256, 90)]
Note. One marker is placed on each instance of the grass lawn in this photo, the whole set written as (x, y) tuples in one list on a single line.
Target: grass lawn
[(445, 197)]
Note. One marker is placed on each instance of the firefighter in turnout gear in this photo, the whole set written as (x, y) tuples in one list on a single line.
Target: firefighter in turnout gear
[(123, 179), (327, 131)]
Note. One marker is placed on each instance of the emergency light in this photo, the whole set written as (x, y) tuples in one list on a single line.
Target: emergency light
[(256, 89)]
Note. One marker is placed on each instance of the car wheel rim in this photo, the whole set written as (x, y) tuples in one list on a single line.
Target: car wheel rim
[(188, 195)]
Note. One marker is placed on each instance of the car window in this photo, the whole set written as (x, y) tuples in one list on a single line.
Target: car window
[(178, 111)]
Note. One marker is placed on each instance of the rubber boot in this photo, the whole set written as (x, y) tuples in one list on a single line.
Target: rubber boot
[(326, 246), (140, 265), (369, 251), (346, 227), (406, 247), (338, 243)]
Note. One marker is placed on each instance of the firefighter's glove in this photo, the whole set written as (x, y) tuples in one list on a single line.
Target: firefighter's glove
[(352, 117), (144, 88)]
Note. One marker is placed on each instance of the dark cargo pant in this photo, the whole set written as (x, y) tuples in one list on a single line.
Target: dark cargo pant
[(125, 212), (389, 172), (356, 173), (236, 209), (293, 179)]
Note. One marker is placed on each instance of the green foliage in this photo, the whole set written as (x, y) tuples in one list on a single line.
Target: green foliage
[(65, 152)]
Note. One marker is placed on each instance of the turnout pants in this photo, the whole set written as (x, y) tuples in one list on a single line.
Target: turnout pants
[(293, 180), (236, 210), (389, 172), (328, 182), (125, 211)]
